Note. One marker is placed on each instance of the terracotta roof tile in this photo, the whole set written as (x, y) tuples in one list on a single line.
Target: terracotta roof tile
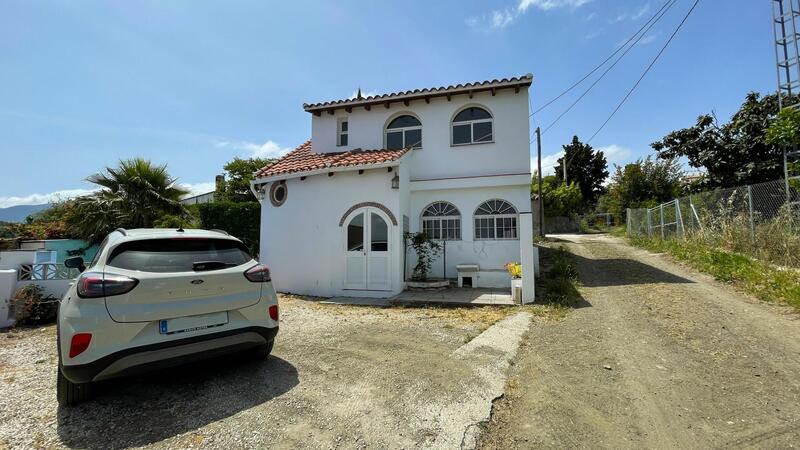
[(524, 80), (304, 159)]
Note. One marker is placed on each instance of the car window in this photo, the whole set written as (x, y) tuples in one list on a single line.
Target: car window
[(98, 252), (178, 254)]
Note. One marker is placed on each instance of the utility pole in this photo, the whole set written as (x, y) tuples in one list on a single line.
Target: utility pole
[(539, 176)]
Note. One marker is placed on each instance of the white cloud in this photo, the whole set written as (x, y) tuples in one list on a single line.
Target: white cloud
[(616, 154), (632, 15), (545, 5), (648, 39), (501, 18), (38, 199), (269, 149), (641, 12), (197, 188), (549, 162)]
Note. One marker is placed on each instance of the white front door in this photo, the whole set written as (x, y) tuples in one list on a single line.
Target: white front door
[(367, 251)]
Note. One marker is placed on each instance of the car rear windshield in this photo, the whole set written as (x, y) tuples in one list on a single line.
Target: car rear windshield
[(178, 255)]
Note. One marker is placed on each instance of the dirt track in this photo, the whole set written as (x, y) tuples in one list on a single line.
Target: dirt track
[(659, 356)]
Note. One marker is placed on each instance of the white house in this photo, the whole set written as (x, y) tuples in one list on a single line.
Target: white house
[(452, 161)]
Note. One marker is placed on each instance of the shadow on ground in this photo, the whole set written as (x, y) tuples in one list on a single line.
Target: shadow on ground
[(621, 272), (143, 410)]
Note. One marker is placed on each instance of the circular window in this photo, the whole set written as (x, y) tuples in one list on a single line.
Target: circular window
[(277, 193)]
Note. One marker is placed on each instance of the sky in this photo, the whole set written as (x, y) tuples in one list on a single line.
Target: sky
[(193, 84)]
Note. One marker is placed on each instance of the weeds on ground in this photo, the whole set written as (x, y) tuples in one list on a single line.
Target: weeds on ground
[(559, 284), (758, 278)]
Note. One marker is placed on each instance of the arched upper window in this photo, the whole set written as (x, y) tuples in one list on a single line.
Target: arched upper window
[(496, 219), (404, 131), (472, 125), (442, 220)]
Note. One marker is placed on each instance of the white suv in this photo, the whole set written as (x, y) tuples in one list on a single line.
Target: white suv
[(154, 298)]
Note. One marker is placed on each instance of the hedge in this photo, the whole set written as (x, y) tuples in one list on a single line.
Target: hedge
[(241, 220)]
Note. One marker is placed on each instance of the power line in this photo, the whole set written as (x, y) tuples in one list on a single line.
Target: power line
[(574, 85), (652, 63), (628, 49)]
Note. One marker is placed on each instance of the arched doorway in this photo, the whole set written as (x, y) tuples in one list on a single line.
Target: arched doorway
[(368, 250)]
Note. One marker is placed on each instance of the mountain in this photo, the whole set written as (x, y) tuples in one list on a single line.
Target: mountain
[(20, 212)]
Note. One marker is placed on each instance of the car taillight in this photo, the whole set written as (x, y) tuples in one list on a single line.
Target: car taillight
[(273, 312), (95, 284), (79, 344), (258, 274)]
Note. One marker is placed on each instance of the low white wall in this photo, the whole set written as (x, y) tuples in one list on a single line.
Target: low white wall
[(8, 284), (12, 259)]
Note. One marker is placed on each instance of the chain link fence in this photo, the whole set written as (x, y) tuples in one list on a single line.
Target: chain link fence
[(762, 220)]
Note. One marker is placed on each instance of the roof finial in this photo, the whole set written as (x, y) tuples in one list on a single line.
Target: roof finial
[(359, 96)]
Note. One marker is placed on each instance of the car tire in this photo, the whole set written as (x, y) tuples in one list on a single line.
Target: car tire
[(263, 351), (69, 393)]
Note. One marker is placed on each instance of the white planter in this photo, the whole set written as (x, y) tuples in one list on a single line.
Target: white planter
[(516, 289)]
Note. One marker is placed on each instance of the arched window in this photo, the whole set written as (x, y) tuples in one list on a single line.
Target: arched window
[(404, 131), (442, 220), (496, 219), (472, 125)]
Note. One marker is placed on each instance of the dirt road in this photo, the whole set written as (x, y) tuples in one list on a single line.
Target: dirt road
[(659, 356)]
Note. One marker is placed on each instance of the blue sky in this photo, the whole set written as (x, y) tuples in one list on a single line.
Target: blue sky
[(195, 83)]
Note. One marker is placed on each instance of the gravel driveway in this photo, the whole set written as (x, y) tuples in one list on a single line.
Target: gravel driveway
[(349, 377), (658, 356)]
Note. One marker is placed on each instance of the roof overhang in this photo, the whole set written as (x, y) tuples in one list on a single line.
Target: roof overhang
[(327, 170), (406, 97)]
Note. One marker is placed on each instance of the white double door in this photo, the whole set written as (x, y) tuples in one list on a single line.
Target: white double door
[(367, 250)]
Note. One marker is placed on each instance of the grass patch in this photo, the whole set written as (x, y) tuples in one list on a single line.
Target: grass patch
[(762, 280), (619, 231), (558, 288)]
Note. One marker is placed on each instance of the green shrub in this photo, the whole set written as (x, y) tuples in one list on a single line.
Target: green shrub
[(32, 307), (242, 220), (758, 278)]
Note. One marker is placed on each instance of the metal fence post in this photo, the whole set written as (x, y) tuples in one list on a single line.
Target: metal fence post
[(649, 224), (628, 220), (661, 212), (750, 208), (691, 214)]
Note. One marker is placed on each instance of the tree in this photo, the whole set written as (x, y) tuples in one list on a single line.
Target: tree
[(134, 194), (586, 167), (559, 199), (642, 183), (734, 153), (238, 174)]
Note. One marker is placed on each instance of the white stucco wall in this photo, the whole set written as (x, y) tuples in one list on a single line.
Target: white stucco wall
[(302, 242), (509, 153), (490, 255)]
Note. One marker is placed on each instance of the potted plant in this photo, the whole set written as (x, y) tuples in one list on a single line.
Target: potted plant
[(515, 271)]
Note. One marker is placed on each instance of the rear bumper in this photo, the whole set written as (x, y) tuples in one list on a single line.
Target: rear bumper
[(168, 354)]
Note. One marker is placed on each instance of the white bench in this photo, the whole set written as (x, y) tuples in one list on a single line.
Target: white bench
[(468, 271)]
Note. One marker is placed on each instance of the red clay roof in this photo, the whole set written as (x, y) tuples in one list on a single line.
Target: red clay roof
[(304, 159), (524, 80)]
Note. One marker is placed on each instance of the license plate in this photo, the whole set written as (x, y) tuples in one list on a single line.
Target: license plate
[(192, 323)]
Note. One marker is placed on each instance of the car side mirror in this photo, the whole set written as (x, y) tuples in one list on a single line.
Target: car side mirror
[(76, 262)]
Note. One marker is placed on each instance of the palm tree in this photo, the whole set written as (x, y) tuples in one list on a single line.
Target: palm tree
[(146, 191), (133, 195)]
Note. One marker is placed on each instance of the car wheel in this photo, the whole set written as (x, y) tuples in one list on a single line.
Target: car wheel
[(263, 351), (69, 393)]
